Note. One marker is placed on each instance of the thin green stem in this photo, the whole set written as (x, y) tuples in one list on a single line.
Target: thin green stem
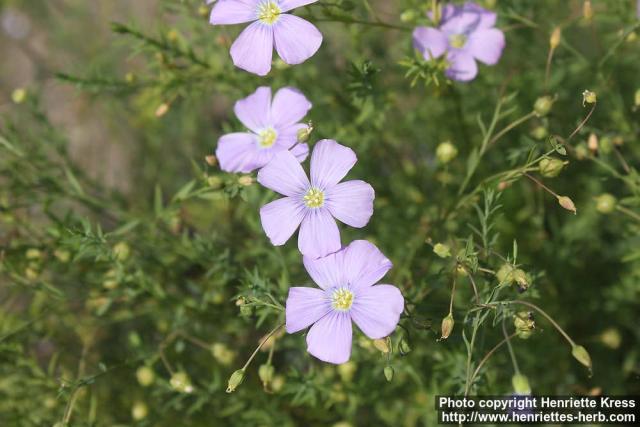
[(260, 346)]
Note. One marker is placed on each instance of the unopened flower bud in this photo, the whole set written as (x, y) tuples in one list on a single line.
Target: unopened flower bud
[(587, 10), (567, 203), (589, 97), (540, 132), (408, 16), (222, 354), (33, 254), (442, 250), (550, 168), (404, 347), (245, 180), (304, 133), (121, 251), (211, 160), (446, 152), (592, 142), (611, 338), (19, 95), (524, 323), (145, 376), (235, 380), (447, 326), (382, 345), (266, 372), (543, 105), (277, 383), (554, 40), (521, 385), (388, 373), (581, 355), (180, 382), (606, 203), (62, 255), (214, 182), (162, 109), (139, 411)]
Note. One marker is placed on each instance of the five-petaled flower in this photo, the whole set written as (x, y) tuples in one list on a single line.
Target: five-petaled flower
[(347, 293), (274, 127), (466, 34), (314, 204), (295, 39)]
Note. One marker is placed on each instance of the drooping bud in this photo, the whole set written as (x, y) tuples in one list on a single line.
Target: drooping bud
[(382, 345), (567, 203), (550, 168), (554, 40), (442, 250), (235, 380), (589, 97), (121, 251), (245, 180), (524, 323), (266, 373), (388, 373), (404, 347), (447, 326), (446, 152), (162, 109), (180, 382), (606, 203), (521, 385), (543, 105), (145, 376), (581, 355)]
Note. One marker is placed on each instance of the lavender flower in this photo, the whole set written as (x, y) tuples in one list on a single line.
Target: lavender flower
[(466, 34), (295, 39), (314, 205), (274, 127), (346, 279)]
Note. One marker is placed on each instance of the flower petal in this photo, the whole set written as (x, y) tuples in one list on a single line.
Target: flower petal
[(319, 234), (253, 49), (254, 111), (431, 42), (301, 151), (330, 162), (351, 202), (281, 218), (296, 39), (364, 264), (286, 5), (486, 45), (329, 339), (376, 310), (227, 12), (304, 307), (289, 107), (327, 272), (463, 67), (283, 174), (466, 19), (237, 152)]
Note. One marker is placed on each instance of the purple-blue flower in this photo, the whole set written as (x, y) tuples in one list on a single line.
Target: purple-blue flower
[(273, 125), (295, 39), (466, 34), (347, 293), (313, 205)]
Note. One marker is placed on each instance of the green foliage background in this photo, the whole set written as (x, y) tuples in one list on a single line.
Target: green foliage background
[(121, 248)]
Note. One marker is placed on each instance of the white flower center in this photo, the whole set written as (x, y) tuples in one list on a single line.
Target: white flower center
[(342, 299), (267, 137), (314, 198), (457, 40), (268, 12)]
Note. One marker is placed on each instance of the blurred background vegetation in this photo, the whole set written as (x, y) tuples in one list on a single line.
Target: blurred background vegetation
[(135, 276)]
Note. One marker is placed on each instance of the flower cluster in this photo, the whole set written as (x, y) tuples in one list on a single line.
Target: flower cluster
[(347, 276)]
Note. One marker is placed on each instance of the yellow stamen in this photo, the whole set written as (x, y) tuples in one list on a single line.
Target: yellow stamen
[(342, 299), (314, 198), (457, 40), (267, 138), (268, 12)]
